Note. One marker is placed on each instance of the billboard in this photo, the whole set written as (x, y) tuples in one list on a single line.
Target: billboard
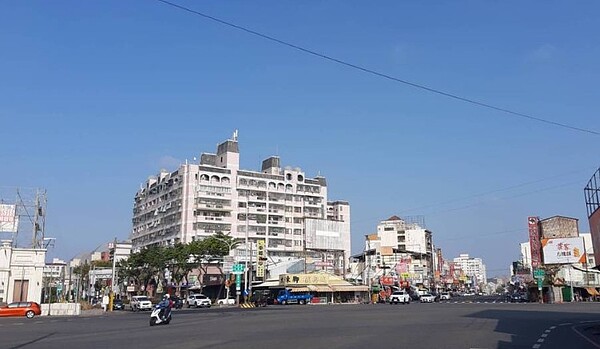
[(534, 241), (563, 251), (9, 222), (323, 234)]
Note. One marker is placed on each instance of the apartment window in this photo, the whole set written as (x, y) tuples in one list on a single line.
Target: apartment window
[(341, 217)]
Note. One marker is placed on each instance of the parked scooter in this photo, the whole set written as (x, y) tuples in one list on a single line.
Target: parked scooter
[(161, 314)]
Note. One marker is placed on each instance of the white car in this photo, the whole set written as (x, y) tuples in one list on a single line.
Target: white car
[(399, 297), (427, 298), (445, 296), (198, 301), (226, 301), (140, 303)]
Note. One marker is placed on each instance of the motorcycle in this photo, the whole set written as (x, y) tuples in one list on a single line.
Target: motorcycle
[(157, 319)]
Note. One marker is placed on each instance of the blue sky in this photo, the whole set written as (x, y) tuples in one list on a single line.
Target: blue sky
[(96, 96)]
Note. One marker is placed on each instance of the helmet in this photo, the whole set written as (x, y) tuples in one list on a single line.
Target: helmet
[(166, 296)]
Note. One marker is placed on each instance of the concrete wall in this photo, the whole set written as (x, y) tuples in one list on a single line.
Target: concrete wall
[(57, 309)]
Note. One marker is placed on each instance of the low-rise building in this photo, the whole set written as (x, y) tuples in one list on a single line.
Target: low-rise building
[(21, 273)]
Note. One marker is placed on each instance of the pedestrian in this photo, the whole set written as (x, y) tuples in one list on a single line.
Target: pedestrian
[(105, 302)]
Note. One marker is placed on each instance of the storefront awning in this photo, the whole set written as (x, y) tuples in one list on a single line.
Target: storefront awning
[(351, 288), (592, 291), (319, 288), (300, 289), (270, 283)]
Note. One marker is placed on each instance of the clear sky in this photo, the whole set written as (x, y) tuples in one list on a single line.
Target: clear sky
[(97, 96)]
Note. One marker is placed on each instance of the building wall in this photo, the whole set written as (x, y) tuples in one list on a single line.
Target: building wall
[(199, 200), (472, 267), (21, 264), (559, 227), (526, 254)]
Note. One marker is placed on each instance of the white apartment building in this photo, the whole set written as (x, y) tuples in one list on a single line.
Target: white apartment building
[(400, 249), (215, 195), (472, 267), (526, 254)]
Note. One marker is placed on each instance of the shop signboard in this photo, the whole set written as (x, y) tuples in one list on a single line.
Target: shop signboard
[(563, 250), (261, 253)]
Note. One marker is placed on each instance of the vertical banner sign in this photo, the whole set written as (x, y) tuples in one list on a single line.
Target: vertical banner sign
[(260, 264), (534, 242), (238, 282)]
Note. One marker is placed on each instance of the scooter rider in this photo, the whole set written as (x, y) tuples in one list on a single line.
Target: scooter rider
[(166, 304)]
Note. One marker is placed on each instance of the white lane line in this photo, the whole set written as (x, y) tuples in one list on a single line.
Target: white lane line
[(585, 337), (19, 324), (544, 335), (587, 321), (548, 331), (566, 324), (536, 346), (552, 327), (541, 340)]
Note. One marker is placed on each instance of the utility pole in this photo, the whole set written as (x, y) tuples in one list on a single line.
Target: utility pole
[(112, 283), (247, 253)]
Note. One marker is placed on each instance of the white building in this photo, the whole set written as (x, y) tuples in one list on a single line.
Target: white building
[(402, 250), (526, 255), (21, 272), (472, 267), (215, 195)]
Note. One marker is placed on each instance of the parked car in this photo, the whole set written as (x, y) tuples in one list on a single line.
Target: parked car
[(226, 301), (140, 303), (199, 301), (27, 309), (399, 297), (445, 296), (118, 304), (427, 298), (518, 298)]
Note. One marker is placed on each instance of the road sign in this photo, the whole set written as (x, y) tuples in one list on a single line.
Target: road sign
[(238, 282), (540, 283), (237, 269), (539, 273)]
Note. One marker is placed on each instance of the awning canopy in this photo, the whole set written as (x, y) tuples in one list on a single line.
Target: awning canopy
[(300, 289), (319, 288), (592, 291), (350, 288), (268, 283)]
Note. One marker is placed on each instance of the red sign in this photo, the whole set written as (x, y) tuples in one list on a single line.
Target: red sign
[(534, 241), (386, 280)]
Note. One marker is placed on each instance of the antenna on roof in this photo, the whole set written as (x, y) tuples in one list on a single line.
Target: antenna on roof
[(235, 135)]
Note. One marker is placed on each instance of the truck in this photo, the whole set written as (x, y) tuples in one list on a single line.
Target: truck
[(286, 296), (400, 297)]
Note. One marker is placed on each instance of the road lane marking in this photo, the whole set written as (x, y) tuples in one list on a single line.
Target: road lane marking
[(566, 324), (552, 327), (585, 337), (536, 346), (544, 335), (541, 340)]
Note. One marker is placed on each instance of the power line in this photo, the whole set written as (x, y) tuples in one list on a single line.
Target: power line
[(379, 74), (485, 193)]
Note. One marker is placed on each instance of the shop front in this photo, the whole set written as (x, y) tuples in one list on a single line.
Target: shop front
[(325, 288)]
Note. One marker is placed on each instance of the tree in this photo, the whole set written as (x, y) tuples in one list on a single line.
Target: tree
[(212, 249), (179, 262)]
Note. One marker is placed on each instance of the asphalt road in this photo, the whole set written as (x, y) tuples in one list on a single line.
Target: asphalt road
[(450, 325)]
